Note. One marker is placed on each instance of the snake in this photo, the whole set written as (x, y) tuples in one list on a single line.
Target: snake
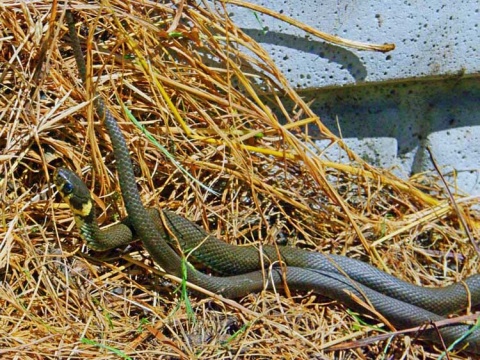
[(167, 236)]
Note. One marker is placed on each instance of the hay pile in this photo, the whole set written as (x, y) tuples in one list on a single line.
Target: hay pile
[(193, 80)]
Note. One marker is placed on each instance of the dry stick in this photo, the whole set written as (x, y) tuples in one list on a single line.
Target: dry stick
[(380, 337), (327, 37), (459, 212)]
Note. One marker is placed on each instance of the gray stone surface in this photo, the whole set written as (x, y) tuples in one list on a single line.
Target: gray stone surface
[(390, 106), (413, 114), (432, 38)]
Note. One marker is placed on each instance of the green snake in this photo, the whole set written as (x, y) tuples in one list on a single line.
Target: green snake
[(341, 278)]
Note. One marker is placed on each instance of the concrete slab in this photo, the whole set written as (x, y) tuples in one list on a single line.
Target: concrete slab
[(424, 93)]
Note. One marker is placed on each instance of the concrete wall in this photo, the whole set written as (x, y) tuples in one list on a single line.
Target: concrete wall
[(390, 106)]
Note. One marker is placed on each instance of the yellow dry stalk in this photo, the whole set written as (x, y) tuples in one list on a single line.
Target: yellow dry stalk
[(327, 37)]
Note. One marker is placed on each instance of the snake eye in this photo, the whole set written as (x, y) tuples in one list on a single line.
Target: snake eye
[(67, 188)]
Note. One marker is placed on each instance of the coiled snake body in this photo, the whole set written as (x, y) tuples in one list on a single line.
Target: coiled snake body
[(403, 304)]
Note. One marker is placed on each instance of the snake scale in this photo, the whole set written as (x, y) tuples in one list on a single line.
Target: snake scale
[(341, 278)]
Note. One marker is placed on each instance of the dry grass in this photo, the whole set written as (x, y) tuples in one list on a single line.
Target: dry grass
[(191, 77)]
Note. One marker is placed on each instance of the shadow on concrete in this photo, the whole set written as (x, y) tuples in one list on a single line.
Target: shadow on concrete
[(336, 54), (407, 111)]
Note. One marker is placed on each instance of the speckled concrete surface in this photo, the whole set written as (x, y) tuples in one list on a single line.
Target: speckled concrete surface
[(424, 93), (432, 38)]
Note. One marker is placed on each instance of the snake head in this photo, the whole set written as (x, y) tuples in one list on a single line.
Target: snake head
[(73, 191)]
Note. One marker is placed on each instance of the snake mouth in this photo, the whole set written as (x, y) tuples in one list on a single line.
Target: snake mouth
[(60, 180)]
